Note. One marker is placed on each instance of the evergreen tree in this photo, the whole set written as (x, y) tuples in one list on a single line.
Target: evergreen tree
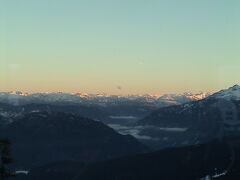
[(5, 158)]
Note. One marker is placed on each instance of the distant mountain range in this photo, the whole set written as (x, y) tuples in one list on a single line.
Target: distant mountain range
[(19, 98), (109, 109)]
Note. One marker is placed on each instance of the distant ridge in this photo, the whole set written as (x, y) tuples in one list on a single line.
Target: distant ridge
[(18, 97)]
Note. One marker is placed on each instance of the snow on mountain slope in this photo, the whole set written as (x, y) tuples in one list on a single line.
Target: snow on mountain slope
[(167, 99), (182, 98), (17, 97), (232, 93)]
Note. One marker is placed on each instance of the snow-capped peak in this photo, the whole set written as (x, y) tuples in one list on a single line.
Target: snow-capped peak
[(182, 98), (18, 97), (19, 93), (232, 93)]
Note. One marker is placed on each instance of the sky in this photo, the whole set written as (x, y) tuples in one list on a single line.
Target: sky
[(119, 47)]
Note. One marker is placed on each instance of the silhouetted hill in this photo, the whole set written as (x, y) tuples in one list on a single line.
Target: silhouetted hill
[(92, 112), (186, 163), (217, 159), (43, 137)]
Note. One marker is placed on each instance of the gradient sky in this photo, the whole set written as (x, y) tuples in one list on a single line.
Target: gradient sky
[(119, 47)]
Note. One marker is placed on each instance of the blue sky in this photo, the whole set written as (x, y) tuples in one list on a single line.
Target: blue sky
[(144, 46)]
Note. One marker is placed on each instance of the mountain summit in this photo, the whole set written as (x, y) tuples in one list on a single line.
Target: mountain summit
[(232, 93), (196, 122)]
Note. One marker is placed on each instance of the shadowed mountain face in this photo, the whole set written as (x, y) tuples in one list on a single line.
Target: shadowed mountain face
[(121, 114), (219, 159), (92, 112), (194, 122), (188, 163), (208, 109), (43, 137)]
